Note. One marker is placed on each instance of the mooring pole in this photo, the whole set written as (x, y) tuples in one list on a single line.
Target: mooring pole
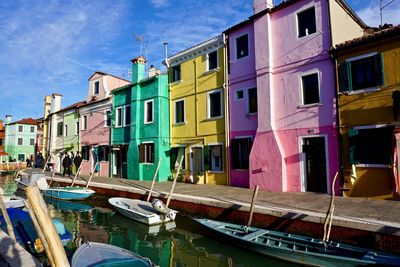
[(253, 200), (154, 180)]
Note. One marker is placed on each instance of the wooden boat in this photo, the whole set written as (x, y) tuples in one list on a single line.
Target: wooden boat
[(98, 254), (13, 202), (296, 248), (142, 211), (68, 192)]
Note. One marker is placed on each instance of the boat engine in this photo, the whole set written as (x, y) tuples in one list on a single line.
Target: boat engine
[(160, 207)]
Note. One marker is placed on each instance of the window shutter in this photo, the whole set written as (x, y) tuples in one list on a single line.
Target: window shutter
[(378, 63), (344, 77), (206, 154), (152, 149), (235, 153), (173, 155), (141, 153), (353, 133)]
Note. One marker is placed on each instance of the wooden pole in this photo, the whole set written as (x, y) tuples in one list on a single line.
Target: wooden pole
[(47, 161), (329, 213), (52, 176), (40, 233), (253, 200), (10, 229), (77, 173), (91, 175), (154, 179), (174, 182), (42, 215)]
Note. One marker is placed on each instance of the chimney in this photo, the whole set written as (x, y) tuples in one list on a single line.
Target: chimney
[(138, 69), (47, 105), (153, 71), (8, 119), (55, 103), (260, 5)]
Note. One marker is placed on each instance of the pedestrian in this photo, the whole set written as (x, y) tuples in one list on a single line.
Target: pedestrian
[(77, 161), (67, 164)]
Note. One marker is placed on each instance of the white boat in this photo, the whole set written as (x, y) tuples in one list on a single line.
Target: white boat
[(13, 202), (142, 211), (28, 179)]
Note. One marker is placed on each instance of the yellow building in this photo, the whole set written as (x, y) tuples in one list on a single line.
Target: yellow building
[(368, 108), (197, 111)]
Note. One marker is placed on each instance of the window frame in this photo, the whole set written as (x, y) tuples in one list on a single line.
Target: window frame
[(32, 129), (98, 87), (130, 116), (20, 128), (208, 61), (118, 119), (236, 47), (209, 104), (84, 122), (145, 119), (211, 159), (184, 111), (30, 141), (77, 127), (298, 25), (308, 73), (60, 129), (248, 100), (107, 118), (241, 138), (145, 158), (65, 133), (173, 73), (236, 94), (22, 141)]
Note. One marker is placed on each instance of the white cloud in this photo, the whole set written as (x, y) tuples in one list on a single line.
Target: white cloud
[(159, 3), (371, 15)]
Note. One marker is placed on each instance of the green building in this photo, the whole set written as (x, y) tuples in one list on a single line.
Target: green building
[(140, 132)]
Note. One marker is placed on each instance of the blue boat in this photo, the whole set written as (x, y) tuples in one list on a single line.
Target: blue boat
[(68, 192), (24, 229), (296, 248), (67, 205)]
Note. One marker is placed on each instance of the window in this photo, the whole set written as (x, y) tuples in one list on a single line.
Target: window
[(85, 152), (148, 111), (96, 88), (212, 60), (176, 73), (107, 118), (306, 23), (365, 72), (77, 127), (104, 152), (84, 122), (252, 101), (1, 142), (20, 141), (127, 115), (180, 111), (65, 130), (213, 158), (239, 94), (146, 153), (32, 142), (240, 152), (215, 104), (21, 157), (118, 117), (175, 155), (242, 46), (310, 88), (365, 151), (60, 129), (20, 128), (32, 129)]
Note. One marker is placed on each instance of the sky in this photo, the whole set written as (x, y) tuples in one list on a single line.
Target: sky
[(54, 46)]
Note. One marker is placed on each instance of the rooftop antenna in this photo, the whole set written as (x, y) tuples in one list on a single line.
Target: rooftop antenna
[(139, 39), (382, 6)]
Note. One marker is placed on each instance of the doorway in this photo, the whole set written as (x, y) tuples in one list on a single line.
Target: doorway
[(314, 164), (196, 161), (120, 158)]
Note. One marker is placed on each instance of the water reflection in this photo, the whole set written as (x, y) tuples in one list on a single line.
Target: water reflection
[(178, 244)]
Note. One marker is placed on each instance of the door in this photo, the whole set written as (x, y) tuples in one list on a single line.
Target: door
[(95, 157), (315, 177), (196, 161)]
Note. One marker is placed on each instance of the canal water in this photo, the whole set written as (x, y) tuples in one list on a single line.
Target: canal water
[(178, 244)]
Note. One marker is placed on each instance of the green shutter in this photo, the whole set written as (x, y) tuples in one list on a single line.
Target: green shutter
[(141, 152), (378, 63), (353, 136), (344, 77), (206, 154)]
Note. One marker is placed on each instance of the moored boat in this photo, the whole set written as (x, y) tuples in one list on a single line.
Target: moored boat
[(68, 192), (296, 248), (98, 254), (13, 202), (25, 179), (142, 211)]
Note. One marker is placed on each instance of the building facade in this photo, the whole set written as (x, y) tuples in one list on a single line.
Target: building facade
[(368, 70), (295, 148), (3, 154), (198, 111)]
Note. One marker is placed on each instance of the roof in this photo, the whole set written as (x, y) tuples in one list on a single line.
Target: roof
[(105, 73), (368, 38), (73, 106), (121, 88), (94, 102), (28, 121)]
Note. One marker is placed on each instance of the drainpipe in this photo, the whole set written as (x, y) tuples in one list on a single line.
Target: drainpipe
[(195, 98), (226, 93)]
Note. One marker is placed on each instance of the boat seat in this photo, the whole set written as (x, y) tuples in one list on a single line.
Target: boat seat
[(255, 234)]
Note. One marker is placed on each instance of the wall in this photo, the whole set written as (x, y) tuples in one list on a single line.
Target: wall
[(12, 135)]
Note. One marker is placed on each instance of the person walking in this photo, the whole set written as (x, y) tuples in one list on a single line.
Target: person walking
[(67, 164), (77, 161)]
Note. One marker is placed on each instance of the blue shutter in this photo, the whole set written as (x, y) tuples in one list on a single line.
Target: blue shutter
[(353, 133), (378, 63), (344, 77)]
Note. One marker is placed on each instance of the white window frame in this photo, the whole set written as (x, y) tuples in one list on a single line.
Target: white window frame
[(118, 122), (145, 152), (313, 71), (84, 122), (248, 100), (209, 105), (20, 127), (248, 45), (297, 21), (208, 64), (32, 129), (94, 87), (65, 130), (30, 141), (106, 117), (145, 119), (22, 141), (236, 97), (184, 111), (124, 117), (221, 156)]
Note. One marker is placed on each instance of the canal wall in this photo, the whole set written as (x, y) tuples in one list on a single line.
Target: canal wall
[(363, 222)]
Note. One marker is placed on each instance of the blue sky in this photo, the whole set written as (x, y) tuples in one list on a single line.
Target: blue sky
[(51, 46)]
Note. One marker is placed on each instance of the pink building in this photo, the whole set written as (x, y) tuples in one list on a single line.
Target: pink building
[(242, 97), (95, 122), (295, 148)]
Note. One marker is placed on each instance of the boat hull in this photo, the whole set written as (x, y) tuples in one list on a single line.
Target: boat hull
[(140, 211), (68, 193), (13, 202), (297, 249)]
